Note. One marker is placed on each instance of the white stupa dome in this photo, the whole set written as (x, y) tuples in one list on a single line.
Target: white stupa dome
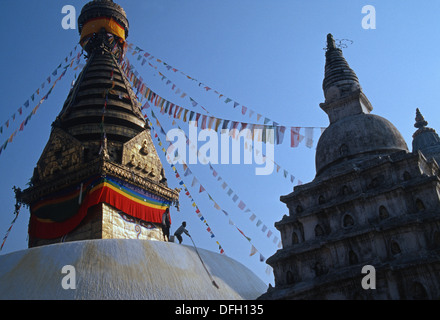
[(125, 269)]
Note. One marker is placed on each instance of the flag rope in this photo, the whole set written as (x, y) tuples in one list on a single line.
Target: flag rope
[(253, 248), (150, 57), (210, 121), (241, 204), (34, 110), (16, 212), (37, 92)]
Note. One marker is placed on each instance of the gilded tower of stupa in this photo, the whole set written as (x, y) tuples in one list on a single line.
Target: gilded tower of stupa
[(99, 176)]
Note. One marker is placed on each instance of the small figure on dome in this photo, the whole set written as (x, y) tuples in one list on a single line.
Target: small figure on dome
[(181, 230)]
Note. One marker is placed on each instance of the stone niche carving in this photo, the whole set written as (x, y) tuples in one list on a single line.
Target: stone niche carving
[(139, 154), (63, 153)]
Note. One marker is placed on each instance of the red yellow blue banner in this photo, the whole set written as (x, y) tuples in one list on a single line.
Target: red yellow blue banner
[(57, 216)]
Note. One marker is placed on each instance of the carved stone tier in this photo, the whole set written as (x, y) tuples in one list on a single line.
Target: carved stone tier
[(97, 167)]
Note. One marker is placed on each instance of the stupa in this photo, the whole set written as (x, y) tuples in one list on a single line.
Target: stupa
[(99, 192)]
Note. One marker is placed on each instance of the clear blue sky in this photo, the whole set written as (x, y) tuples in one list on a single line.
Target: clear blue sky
[(267, 55)]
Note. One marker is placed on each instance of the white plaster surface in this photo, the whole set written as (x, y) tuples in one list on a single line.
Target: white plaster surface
[(125, 269)]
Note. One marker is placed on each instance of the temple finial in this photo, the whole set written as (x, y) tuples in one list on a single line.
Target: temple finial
[(331, 44), (420, 120)]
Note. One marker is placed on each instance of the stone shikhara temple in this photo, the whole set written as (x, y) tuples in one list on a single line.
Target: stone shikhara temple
[(372, 202)]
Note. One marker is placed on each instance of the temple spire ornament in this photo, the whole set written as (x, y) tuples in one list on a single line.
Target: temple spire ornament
[(420, 120), (425, 139), (340, 80), (331, 44)]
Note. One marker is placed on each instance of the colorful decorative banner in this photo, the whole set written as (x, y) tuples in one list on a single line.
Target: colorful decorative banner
[(96, 24), (46, 222)]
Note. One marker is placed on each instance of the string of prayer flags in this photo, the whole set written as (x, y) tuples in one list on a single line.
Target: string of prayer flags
[(35, 109), (244, 109), (212, 199), (27, 103), (278, 167), (197, 210), (241, 204), (177, 90), (200, 84), (271, 133), (214, 123), (207, 122), (17, 211), (235, 198)]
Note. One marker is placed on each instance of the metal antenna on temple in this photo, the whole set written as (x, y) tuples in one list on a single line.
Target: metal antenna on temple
[(343, 43), (337, 43)]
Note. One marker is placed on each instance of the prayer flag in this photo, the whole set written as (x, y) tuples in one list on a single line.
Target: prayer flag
[(203, 122), (280, 134), (225, 124), (309, 137), (294, 132), (210, 122), (191, 115), (217, 124)]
